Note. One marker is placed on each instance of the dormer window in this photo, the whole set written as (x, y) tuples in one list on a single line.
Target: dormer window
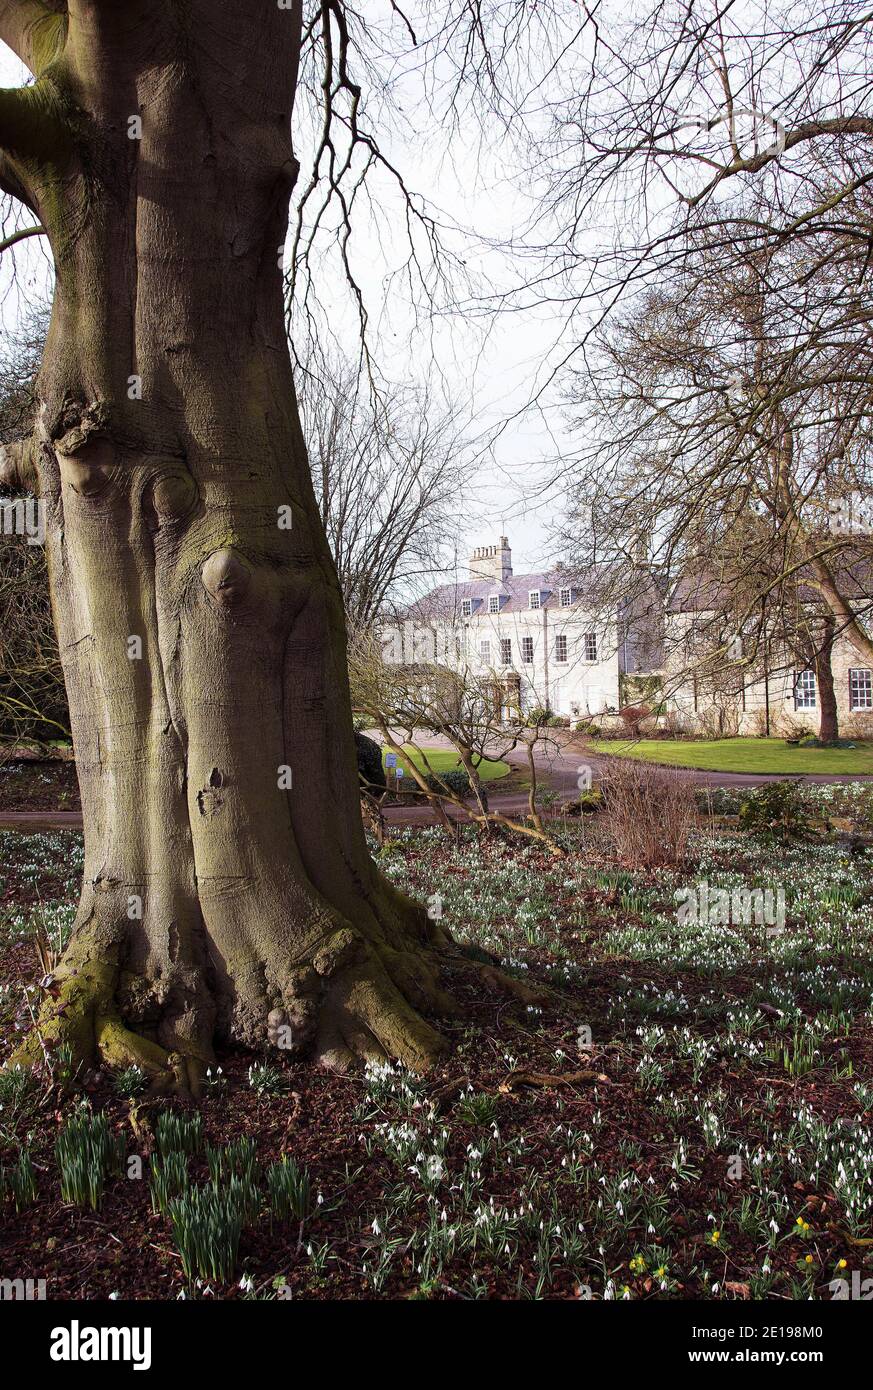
[(566, 598), (533, 598), (466, 608), (494, 603)]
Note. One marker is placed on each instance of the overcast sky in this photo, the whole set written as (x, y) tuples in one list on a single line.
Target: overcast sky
[(490, 366)]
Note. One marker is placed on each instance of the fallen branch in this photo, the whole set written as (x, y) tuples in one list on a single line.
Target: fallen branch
[(543, 1080), (453, 1090)]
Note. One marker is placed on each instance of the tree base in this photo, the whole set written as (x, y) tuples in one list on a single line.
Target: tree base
[(351, 1003), (351, 1007)]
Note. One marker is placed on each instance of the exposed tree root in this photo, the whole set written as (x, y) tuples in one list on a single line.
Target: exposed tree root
[(352, 1001), (346, 1007), (496, 980)]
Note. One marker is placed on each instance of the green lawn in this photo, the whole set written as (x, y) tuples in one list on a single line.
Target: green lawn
[(444, 759), (742, 755)]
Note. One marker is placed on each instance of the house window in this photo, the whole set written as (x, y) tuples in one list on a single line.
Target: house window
[(466, 608), (561, 648), (527, 649), (566, 598), (589, 646), (861, 688), (494, 603), (505, 651), (533, 598), (485, 651), (804, 690)]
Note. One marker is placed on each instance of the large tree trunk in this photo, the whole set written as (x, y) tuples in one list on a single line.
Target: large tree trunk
[(202, 640)]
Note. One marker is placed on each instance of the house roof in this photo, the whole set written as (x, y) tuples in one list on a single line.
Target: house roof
[(704, 592), (514, 594), (697, 593)]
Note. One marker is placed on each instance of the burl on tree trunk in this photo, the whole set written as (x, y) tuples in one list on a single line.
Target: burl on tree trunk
[(228, 890)]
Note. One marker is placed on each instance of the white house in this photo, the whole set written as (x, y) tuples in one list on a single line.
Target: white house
[(543, 640), (539, 638)]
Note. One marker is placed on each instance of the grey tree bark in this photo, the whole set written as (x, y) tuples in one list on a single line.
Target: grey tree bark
[(228, 889)]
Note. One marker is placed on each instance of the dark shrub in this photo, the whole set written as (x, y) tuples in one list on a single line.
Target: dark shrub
[(370, 770), (718, 801), (775, 811), (537, 715), (455, 779)]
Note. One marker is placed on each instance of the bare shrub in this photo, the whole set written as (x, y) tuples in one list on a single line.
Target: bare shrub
[(675, 724), (758, 723), (650, 812), (650, 728), (633, 717), (787, 726), (858, 726), (721, 719)]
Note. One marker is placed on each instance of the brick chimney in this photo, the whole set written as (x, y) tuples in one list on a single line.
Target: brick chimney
[(492, 562)]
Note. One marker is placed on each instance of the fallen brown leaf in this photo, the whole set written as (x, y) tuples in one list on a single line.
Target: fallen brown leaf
[(742, 1289)]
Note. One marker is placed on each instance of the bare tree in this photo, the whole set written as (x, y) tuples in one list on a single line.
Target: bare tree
[(403, 700), (33, 702), (388, 466), (663, 118), (728, 442)]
